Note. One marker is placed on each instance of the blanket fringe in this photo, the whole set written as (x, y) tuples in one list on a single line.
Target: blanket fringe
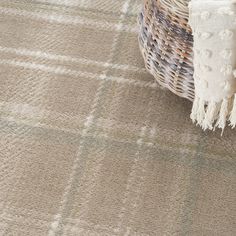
[(232, 117), (211, 115)]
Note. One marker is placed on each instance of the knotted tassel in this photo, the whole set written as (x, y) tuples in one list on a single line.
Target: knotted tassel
[(201, 112), (211, 115), (232, 117), (224, 112), (194, 113)]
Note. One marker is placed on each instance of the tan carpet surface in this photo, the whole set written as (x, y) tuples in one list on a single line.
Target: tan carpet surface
[(89, 144)]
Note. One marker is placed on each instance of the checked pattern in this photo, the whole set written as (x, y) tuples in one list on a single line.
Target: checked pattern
[(89, 144)]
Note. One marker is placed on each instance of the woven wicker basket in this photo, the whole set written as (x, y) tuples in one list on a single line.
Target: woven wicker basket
[(166, 44)]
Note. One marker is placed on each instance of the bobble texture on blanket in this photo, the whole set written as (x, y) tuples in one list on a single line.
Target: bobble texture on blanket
[(213, 24)]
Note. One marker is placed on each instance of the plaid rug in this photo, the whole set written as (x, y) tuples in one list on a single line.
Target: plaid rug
[(89, 144)]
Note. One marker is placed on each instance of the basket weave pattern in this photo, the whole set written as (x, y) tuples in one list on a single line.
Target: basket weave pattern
[(166, 44)]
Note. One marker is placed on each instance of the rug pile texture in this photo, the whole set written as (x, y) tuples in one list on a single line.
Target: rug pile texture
[(89, 144)]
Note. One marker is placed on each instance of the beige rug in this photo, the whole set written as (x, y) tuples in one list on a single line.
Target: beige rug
[(89, 144)]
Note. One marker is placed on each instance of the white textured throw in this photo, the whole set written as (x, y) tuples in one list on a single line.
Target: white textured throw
[(214, 29)]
